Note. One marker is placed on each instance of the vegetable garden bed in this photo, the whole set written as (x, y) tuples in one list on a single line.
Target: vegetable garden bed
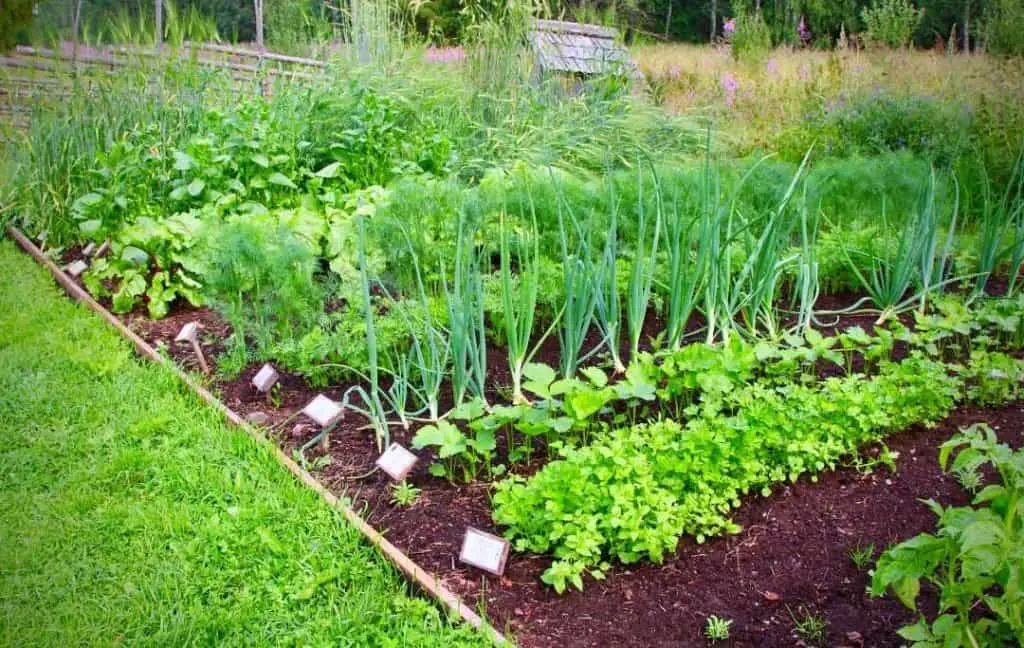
[(790, 564)]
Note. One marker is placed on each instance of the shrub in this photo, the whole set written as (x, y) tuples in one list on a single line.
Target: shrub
[(871, 124), (891, 22), (1002, 27), (751, 40)]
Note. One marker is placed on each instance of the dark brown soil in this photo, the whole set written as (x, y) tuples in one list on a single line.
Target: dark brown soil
[(791, 560)]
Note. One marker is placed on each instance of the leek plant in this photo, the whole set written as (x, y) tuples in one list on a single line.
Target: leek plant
[(641, 276), (935, 262), (714, 236), (757, 285), (429, 349), (916, 258), (1016, 249), (580, 295), (686, 271), (519, 299), (806, 287), (373, 406), (890, 274), (608, 310), (465, 304), (1002, 221)]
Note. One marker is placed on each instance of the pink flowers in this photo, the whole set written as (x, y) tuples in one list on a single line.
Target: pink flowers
[(444, 54), (772, 67), (803, 32), (729, 87), (729, 27)]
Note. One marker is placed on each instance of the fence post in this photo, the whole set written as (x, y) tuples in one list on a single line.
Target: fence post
[(159, 9), (258, 7)]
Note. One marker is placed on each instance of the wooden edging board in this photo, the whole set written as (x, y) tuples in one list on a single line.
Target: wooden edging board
[(420, 577)]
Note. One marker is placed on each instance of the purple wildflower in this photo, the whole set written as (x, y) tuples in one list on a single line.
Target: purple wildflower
[(772, 66), (729, 27), (803, 32), (729, 86), (444, 54)]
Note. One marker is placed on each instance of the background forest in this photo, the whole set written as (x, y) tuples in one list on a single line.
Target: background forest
[(968, 23)]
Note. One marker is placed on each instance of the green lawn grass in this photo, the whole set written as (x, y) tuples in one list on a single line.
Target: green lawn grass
[(130, 514)]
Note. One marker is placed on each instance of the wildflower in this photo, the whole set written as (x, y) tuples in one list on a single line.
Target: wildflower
[(444, 54), (772, 66), (729, 27), (729, 86), (803, 32), (675, 72)]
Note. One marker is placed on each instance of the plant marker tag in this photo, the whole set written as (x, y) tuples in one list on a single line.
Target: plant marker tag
[(265, 378), (190, 333), (77, 267), (396, 462), (323, 410), (484, 551), (89, 249), (103, 249)]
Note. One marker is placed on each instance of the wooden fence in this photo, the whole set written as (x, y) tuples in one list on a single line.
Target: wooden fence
[(30, 77)]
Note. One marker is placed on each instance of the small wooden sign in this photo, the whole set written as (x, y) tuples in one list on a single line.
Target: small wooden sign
[(323, 410), (188, 333), (484, 551), (397, 462), (265, 378), (76, 268)]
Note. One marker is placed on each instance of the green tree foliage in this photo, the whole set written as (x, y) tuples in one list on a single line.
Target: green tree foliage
[(15, 18), (1002, 27), (891, 22)]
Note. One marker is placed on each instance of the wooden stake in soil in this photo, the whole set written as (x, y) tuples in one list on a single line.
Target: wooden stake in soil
[(397, 462), (190, 333), (484, 551)]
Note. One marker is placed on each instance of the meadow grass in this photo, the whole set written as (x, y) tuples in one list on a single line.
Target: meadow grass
[(131, 514), (753, 101)]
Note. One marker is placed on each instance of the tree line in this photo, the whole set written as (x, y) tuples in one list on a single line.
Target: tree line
[(447, 21)]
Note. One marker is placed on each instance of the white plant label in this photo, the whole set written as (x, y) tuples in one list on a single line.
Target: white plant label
[(323, 410), (77, 267), (188, 333), (484, 551), (265, 378), (396, 462), (89, 249)]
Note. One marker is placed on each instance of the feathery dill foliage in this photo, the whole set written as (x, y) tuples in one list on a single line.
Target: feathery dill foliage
[(261, 275)]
